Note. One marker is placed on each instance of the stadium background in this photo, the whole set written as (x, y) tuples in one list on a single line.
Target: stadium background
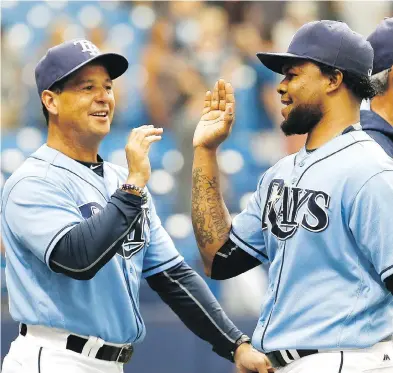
[(177, 50)]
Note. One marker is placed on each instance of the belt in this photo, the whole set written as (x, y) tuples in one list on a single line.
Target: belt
[(282, 358), (105, 352)]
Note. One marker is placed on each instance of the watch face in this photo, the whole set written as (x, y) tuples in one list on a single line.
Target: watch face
[(243, 339)]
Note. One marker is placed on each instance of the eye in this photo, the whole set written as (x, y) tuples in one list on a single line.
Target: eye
[(108, 87), (88, 88), (290, 75)]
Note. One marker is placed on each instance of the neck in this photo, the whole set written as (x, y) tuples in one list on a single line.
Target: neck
[(341, 113), (327, 129), (73, 147), (382, 105)]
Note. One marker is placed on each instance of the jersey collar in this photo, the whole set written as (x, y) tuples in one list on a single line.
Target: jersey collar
[(60, 160), (350, 136)]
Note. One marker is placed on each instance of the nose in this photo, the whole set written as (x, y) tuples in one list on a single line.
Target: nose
[(282, 87), (103, 95)]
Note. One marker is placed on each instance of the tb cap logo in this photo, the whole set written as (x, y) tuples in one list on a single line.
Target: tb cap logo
[(88, 46)]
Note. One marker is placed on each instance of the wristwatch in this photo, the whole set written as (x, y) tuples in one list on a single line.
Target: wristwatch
[(243, 339)]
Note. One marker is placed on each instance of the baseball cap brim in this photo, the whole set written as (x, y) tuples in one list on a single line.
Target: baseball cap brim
[(115, 64), (276, 61)]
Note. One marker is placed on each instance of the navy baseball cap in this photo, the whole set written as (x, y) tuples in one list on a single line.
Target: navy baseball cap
[(63, 59), (332, 43), (382, 42)]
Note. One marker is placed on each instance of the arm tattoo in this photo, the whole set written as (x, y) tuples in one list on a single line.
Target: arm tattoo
[(208, 216)]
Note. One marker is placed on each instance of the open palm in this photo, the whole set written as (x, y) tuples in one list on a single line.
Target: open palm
[(217, 117)]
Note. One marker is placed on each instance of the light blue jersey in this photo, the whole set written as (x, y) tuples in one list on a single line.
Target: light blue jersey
[(323, 220), (45, 198)]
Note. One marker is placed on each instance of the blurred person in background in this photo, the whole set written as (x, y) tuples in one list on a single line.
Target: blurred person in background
[(80, 234), (328, 308), (166, 91), (255, 87), (11, 85), (295, 15), (378, 121)]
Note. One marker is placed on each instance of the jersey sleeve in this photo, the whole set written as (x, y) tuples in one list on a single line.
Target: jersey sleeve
[(371, 224), (161, 252), (39, 214), (246, 231)]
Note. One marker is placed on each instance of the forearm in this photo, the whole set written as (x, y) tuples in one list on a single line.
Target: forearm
[(210, 217), (87, 247), (190, 298)]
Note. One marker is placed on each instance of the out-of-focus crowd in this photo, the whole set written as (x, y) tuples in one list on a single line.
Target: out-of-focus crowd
[(177, 50)]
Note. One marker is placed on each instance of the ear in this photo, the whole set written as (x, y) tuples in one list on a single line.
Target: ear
[(51, 102), (334, 81)]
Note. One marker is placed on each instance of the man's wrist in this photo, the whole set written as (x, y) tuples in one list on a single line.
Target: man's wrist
[(136, 190), (240, 341), (137, 180), (204, 150)]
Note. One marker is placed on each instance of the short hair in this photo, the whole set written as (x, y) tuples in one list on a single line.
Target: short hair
[(380, 81), (57, 87), (360, 85)]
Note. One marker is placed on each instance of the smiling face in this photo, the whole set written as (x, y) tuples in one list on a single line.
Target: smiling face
[(85, 107), (302, 91)]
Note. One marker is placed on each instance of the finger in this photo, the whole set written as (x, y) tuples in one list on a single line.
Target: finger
[(139, 135), (148, 132), (208, 102), (229, 115), (152, 138), (136, 130), (151, 131), (147, 141), (221, 94), (215, 98), (230, 93)]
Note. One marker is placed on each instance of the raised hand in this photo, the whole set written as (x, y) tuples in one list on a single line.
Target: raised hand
[(217, 117), (137, 152)]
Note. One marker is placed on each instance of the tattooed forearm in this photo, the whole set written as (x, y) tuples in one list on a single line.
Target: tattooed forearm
[(208, 211)]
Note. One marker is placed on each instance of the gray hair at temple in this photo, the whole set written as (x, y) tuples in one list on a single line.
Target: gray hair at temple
[(380, 81)]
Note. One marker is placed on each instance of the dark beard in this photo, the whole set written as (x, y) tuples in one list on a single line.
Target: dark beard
[(302, 119)]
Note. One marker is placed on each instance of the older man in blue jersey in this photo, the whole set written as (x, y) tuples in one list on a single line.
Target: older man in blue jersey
[(321, 217), (378, 121), (80, 235)]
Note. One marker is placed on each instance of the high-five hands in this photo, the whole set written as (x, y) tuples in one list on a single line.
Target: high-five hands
[(217, 117)]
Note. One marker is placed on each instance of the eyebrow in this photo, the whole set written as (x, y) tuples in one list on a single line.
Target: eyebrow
[(298, 65), (92, 81)]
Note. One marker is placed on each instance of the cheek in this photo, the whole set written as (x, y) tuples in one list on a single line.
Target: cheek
[(306, 92), (112, 105), (76, 109)]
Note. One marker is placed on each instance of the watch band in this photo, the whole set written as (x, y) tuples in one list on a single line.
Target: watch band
[(243, 339)]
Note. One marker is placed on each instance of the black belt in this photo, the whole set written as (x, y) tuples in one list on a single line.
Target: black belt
[(105, 352), (283, 357)]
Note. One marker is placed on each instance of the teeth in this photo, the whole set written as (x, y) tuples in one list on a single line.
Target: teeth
[(100, 114)]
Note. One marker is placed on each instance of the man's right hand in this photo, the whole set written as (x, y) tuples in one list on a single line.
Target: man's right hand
[(249, 360), (217, 117), (137, 153)]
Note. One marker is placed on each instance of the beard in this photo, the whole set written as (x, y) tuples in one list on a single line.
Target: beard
[(302, 119)]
